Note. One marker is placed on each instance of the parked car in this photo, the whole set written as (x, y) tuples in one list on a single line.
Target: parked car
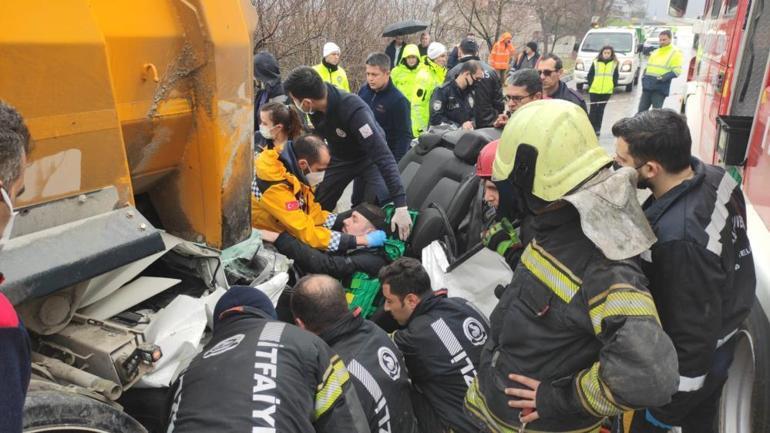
[(627, 46)]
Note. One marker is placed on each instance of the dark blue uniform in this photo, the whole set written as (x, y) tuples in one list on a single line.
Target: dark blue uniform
[(451, 105), (358, 149), (14, 366)]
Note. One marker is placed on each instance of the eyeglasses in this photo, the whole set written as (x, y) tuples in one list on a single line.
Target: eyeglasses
[(517, 99), (546, 72)]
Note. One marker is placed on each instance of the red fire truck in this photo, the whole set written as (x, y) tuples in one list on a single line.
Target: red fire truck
[(728, 110)]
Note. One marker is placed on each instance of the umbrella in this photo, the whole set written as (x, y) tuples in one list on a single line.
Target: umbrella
[(404, 28)]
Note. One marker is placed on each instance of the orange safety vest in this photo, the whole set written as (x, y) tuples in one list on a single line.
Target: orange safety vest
[(501, 55)]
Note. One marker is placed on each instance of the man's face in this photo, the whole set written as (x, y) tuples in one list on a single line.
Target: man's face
[(412, 61), (399, 40), (467, 79), (441, 60), (324, 158), (624, 158), (425, 40), (333, 58), (491, 194), (401, 310), (376, 78), (517, 97), (357, 225), (549, 75), (14, 190), (664, 40)]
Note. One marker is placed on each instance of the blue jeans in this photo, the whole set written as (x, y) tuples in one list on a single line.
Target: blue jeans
[(651, 97)]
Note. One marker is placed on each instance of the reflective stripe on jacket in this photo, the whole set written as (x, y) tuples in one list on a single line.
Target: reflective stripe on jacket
[(502, 51), (338, 78), (663, 61), (603, 73)]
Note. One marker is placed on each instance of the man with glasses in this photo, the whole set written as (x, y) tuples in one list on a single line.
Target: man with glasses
[(521, 88), (452, 103), (14, 341), (551, 68)]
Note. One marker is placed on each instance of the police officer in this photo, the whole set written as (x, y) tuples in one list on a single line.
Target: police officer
[(357, 143), (375, 363), (429, 77), (453, 102), (441, 341), (254, 376), (663, 66), (488, 94), (405, 79)]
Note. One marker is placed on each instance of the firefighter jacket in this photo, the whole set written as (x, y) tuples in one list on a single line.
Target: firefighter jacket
[(283, 201), (258, 374), (664, 65), (393, 114), (333, 74), (340, 265), (350, 129), (583, 325), (502, 51), (451, 105), (488, 94), (603, 77), (377, 370), (441, 345), (701, 274)]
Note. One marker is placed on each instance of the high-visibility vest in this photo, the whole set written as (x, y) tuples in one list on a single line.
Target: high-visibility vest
[(338, 78), (500, 57), (603, 72), (664, 60)]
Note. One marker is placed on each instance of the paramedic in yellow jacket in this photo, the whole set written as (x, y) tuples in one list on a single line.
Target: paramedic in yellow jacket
[(282, 191), (330, 69), (404, 77)]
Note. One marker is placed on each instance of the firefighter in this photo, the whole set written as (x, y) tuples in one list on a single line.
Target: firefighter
[(404, 77), (452, 103), (602, 80), (663, 65), (576, 336), (258, 374), (441, 340), (376, 365), (701, 269), (430, 75), (356, 142), (330, 69), (282, 192)]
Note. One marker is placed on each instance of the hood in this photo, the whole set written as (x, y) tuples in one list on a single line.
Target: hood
[(266, 68), (410, 50), (278, 164), (505, 37)]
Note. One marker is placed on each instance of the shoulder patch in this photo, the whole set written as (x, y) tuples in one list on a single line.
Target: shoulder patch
[(292, 205), (8, 316), (474, 331), (437, 105), (366, 131), (389, 363), (341, 133)]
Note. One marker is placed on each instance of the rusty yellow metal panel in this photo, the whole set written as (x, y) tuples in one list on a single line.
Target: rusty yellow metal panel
[(151, 96)]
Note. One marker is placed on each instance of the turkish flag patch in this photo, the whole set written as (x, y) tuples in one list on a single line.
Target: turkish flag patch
[(292, 205)]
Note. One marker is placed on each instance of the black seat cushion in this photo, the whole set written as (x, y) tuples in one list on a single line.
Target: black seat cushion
[(470, 144)]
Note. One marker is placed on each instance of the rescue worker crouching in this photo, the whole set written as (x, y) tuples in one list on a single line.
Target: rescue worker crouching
[(259, 374), (576, 335), (282, 194), (441, 342), (404, 77), (330, 69), (376, 365), (365, 220), (452, 103)]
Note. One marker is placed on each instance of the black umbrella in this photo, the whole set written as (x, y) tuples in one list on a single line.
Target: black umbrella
[(404, 28)]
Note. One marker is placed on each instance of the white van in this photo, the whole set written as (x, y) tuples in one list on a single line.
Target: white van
[(627, 47)]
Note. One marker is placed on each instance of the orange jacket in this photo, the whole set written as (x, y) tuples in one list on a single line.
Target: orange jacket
[(502, 51)]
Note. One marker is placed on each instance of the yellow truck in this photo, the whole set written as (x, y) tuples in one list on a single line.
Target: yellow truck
[(141, 115)]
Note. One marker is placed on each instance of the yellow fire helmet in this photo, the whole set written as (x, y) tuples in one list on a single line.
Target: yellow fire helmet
[(562, 147)]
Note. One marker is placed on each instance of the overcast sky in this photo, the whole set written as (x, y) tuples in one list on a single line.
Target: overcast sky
[(659, 8)]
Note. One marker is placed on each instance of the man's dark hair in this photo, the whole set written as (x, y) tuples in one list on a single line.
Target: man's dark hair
[(666, 33), (319, 301), (404, 276), (304, 82), (373, 213), (308, 147), (469, 47), (14, 144), (470, 66), (527, 78), (657, 135), (559, 64), (381, 60)]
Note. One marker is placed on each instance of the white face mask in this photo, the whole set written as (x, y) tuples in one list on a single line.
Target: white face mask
[(265, 131), (314, 178), (8, 227), (299, 107)]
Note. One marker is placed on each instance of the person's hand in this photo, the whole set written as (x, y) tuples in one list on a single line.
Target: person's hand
[(403, 221), (376, 238), (501, 120), (268, 236), (468, 126), (527, 398)]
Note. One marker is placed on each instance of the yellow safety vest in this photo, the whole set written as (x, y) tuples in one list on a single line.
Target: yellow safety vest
[(664, 60), (603, 72), (338, 78)]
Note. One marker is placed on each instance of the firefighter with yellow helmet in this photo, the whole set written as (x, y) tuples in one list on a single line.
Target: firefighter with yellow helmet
[(576, 336)]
